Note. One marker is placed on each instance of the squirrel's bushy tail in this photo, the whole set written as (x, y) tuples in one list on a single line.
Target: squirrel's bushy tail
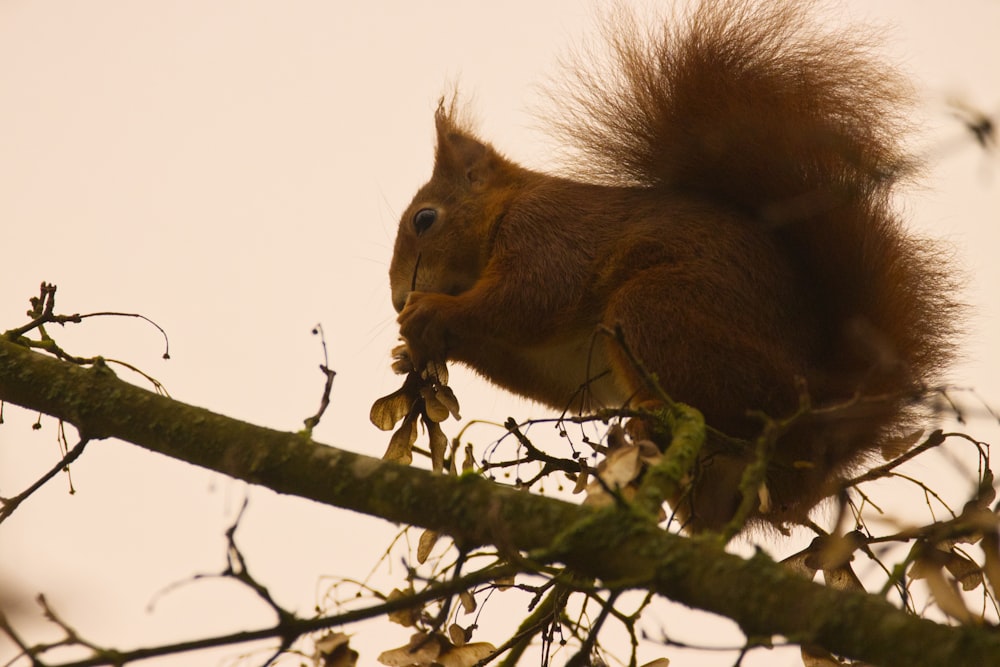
[(747, 105)]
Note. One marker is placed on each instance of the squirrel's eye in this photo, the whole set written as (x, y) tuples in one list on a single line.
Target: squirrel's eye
[(423, 220)]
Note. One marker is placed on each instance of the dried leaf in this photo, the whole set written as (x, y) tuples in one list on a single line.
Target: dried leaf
[(436, 371), (659, 662), (581, 481), (447, 398), (842, 578), (427, 540), (345, 657), (457, 634), (433, 408), (620, 467), (965, 570), (503, 583), (331, 641), (799, 564), (829, 552), (388, 410), (991, 559), (401, 443), (405, 617), (469, 462), (988, 491), (409, 655), (468, 601), (466, 656), (985, 495), (945, 591), (616, 471), (438, 445), (401, 362), (921, 566), (439, 399), (453, 458), (332, 650)]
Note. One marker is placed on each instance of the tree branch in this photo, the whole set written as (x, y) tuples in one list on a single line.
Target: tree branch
[(619, 547)]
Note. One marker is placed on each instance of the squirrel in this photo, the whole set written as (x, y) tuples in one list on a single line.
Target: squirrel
[(730, 213)]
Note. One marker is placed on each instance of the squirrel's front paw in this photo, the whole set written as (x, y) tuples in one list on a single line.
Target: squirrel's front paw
[(421, 325)]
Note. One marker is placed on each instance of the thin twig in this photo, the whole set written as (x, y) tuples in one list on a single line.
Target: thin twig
[(324, 402), (11, 504)]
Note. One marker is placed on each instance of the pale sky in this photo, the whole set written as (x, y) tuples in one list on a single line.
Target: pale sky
[(234, 171)]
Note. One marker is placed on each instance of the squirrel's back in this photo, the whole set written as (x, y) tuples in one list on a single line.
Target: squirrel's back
[(746, 105), (758, 247)]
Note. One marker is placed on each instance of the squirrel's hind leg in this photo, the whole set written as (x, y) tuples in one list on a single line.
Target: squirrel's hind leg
[(707, 354)]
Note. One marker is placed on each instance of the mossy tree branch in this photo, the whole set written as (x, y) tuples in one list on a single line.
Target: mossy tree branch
[(623, 549)]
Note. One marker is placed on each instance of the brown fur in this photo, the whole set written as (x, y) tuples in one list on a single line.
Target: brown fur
[(729, 210)]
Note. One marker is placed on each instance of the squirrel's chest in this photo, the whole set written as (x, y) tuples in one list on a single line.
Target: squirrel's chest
[(571, 374)]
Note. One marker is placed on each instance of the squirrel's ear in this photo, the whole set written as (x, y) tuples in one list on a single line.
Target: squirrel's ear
[(460, 156)]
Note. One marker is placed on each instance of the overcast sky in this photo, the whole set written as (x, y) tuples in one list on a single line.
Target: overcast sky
[(234, 170)]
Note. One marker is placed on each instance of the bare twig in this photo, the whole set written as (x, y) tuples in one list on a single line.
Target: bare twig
[(43, 312), (11, 504), (324, 402), (293, 627)]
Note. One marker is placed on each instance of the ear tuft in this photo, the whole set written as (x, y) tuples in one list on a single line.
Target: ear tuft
[(459, 155)]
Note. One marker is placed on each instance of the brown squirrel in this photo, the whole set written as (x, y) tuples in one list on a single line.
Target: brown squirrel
[(730, 211)]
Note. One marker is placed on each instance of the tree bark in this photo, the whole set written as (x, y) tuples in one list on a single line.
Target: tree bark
[(621, 547)]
